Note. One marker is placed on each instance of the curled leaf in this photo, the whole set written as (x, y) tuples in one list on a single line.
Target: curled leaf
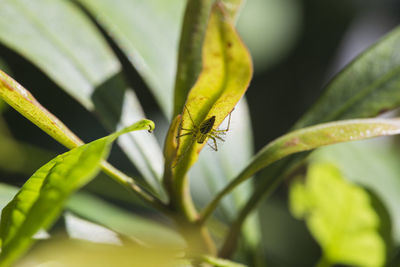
[(225, 76)]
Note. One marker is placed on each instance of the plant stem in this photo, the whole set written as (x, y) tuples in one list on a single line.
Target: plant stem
[(130, 184)]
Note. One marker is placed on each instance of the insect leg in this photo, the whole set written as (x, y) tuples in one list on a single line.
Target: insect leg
[(190, 116), (227, 129), (229, 122), (215, 147), (219, 138), (184, 134)]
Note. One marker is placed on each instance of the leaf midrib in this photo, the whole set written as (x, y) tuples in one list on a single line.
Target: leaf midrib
[(362, 93)]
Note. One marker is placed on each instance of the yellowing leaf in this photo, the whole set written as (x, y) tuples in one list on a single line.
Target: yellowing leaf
[(339, 216), (22, 101), (225, 76)]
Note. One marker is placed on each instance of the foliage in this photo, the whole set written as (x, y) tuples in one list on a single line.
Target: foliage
[(339, 215), (73, 43)]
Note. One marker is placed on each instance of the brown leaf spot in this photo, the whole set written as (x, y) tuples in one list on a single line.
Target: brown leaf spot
[(292, 142)]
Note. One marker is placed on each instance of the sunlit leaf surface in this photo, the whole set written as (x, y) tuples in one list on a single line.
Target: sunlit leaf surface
[(59, 38), (339, 216), (40, 200), (224, 78), (373, 164)]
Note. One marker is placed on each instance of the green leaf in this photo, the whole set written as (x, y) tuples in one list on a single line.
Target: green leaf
[(366, 87), (140, 228), (22, 101), (307, 139), (339, 216), (358, 91), (60, 39), (40, 200), (190, 48), (373, 164), (147, 32), (226, 73)]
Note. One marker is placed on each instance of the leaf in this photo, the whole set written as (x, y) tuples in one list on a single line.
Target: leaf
[(22, 101), (40, 200), (339, 216), (190, 46), (225, 76), (139, 228), (194, 27), (78, 228), (307, 139), (374, 164), (67, 252), (366, 87), (60, 39), (147, 32)]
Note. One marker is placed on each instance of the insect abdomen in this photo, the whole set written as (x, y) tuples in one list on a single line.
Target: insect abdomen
[(201, 138), (207, 125)]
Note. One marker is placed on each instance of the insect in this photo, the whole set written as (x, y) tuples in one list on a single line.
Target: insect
[(204, 131)]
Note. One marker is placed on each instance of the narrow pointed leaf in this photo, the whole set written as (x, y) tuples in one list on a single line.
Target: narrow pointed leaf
[(367, 87), (339, 215), (23, 101), (81, 63), (307, 139), (40, 200)]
